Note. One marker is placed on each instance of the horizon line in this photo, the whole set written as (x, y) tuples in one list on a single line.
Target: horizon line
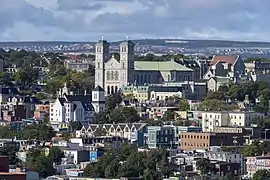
[(115, 41)]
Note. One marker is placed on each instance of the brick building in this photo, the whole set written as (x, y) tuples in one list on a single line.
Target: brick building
[(4, 171), (195, 140)]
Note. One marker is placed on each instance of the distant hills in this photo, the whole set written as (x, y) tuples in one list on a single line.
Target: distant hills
[(154, 42)]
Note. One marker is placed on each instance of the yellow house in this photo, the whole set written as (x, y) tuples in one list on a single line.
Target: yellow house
[(180, 114), (138, 92)]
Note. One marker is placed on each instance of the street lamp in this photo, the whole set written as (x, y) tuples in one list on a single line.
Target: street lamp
[(265, 133)]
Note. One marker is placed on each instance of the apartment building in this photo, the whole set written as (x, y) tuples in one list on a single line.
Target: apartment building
[(212, 119), (256, 163), (197, 140)]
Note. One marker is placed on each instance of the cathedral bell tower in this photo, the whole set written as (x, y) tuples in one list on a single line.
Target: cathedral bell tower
[(127, 62), (101, 57)]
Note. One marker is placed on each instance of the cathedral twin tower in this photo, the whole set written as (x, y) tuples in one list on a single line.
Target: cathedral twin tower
[(113, 71)]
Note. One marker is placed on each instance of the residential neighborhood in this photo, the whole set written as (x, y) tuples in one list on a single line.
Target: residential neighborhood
[(122, 118)]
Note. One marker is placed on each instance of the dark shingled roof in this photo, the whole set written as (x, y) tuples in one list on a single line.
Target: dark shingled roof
[(62, 100), (8, 90), (98, 88), (87, 106), (81, 98)]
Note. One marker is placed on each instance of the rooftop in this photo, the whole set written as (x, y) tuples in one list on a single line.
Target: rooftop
[(159, 66)]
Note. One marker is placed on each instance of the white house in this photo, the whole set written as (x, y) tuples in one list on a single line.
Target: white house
[(69, 108), (211, 119)]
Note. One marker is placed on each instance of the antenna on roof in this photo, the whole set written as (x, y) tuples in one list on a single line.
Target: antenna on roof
[(102, 38)]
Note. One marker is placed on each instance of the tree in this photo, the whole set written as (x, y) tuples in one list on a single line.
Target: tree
[(204, 166), (100, 118), (223, 88), (218, 95), (37, 161), (56, 154), (5, 79), (124, 115), (110, 103), (10, 151), (184, 105), (215, 104), (229, 176), (76, 125), (112, 169), (257, 148), (100, 132), (26, 76), (262, 174), (128, 162), (168, 116)]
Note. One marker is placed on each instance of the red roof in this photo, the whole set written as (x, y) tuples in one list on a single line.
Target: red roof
[(73, 57), (224, 59)]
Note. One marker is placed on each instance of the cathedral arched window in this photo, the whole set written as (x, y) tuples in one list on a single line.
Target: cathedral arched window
[(145, 78), (188, 77), (149, 78), (123, 65), (116, 75), (169, 77), (98, 65), (184, 77), (112, 76), (141, 80), (108, 76), (108, 90), (116, 89), (112, 90), (138, 78)]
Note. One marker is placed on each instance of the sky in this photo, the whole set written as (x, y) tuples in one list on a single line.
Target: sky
[(89, 20)]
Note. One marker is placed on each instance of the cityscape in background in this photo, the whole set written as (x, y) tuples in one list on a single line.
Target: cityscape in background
[(134, 90)]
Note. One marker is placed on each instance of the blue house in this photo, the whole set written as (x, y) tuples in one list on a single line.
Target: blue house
[(95, 153), (139, 134)]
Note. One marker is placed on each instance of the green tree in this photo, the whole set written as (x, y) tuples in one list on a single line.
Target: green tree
[(10, 151), (168, 116), (76, 125), (184, 105), (261, 175), (218, 95), (5, 79), (204, 166), (215, 104), (257, 148), (56, 154), (229, 176), (37, 161), (223, 88), (100, 118), (110, 103), (112, 169), (100, 132), (26, 76), (124, 115)]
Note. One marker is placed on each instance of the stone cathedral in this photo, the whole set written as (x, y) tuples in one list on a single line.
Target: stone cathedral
[(116, 70)]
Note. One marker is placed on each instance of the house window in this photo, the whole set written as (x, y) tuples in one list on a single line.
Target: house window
[(152, 136), (108, 76)]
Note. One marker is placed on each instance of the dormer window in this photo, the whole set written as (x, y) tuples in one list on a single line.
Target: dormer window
[(95, 96)]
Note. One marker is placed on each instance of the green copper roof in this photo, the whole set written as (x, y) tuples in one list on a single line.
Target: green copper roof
[(160, 66)]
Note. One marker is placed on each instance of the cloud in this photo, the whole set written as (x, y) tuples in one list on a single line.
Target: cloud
[(85, 20)]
